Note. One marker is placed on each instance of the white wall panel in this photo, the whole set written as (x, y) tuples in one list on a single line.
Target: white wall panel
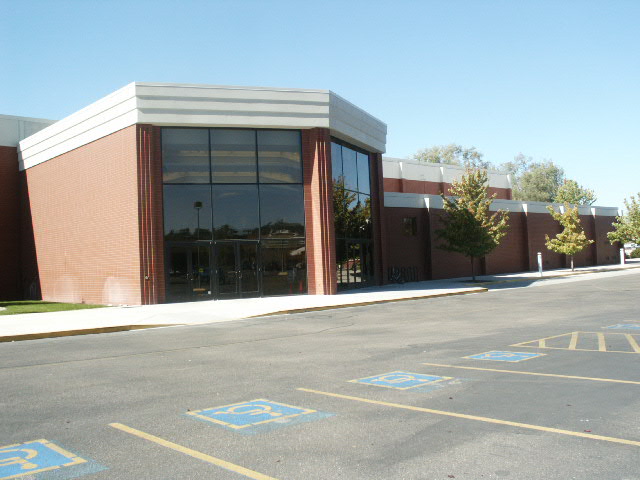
[(205, 105)]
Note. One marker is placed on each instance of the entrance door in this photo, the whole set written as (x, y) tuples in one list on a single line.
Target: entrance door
[(189, 268), (237, 269)]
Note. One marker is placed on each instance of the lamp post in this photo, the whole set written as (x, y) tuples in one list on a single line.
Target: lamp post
[(198, 207)]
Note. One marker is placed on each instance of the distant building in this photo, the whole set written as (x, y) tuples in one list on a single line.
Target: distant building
[(173, 192)]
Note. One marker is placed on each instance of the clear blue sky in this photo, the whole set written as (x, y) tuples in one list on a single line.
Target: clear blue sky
[(551, 79)]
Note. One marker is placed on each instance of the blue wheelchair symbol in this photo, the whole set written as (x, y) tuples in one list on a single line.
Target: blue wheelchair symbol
[(248, 414), (625, 326), (401, 380), (505, 356), (34, 457)]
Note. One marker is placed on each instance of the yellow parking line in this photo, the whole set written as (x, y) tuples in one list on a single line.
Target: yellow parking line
[(193, 453), (576, 349), (574, 341), (632, 342), (542, 339), (478, 418), (595, 379), (602, 346)]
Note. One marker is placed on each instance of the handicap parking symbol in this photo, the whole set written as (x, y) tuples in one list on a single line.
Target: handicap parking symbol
[(501, 356), (401, 380), (33, 457), (252, 413), (625, 326)]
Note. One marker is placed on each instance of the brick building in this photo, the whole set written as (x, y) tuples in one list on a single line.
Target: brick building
[(172, 192)]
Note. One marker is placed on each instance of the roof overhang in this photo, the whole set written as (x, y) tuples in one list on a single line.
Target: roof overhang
[(186, 105)]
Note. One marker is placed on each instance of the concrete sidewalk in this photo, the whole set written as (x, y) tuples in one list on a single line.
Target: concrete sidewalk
[(111, 319)]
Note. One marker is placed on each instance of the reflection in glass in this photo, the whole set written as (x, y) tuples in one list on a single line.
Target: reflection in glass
[(178, 268), (284, 268), (336, 161), (281, 211), (187, 212), (279, 157), (363, 173), (248, 267), (233, 156), (351, 212), (201, 271), (185, 155), (235, 211), (352, 216), (350, 169), (226, 271)]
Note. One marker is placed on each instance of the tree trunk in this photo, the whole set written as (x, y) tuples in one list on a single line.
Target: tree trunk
[(473, 272), (572, 263)]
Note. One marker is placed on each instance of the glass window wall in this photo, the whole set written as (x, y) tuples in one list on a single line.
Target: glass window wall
[(239, 184), (185, 155), (235, 212), (352, 216), (279, 156), (187, 212), (233, 156), (278, 218)]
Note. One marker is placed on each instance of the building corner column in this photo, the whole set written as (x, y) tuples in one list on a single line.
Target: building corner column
[(150, 221), (318, 210), (379, 223)]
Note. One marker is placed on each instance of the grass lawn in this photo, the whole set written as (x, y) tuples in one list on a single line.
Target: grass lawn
[(37, 306)]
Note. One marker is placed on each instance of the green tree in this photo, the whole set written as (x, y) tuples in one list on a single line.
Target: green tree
[(468, 226), (572, 239), (352, 218), (452, 154), (627, 226), (572, 192), (533, 181)]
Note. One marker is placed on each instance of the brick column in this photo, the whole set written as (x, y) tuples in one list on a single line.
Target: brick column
[(318, 212), (150, 215), (379, 225), (10, 221)]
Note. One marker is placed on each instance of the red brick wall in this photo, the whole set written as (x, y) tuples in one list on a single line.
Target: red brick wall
[(517, 251), (433, 188), (605, 252), (586, 257), (539, 225), (318, 210), (405, 250), (511, 255), (380, 247), (152, 274), (84, 208), (9, 224), (29, 276)]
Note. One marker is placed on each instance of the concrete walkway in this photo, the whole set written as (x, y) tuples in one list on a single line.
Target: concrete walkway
[(111, 319)]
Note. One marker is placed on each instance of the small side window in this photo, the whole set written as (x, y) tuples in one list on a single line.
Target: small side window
[(410, 226)]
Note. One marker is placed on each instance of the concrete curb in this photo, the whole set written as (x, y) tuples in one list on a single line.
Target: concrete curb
[(374, 302), (559, 275), (85, 331)]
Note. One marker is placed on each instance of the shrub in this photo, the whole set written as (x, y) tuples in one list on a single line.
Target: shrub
[(635, 253)]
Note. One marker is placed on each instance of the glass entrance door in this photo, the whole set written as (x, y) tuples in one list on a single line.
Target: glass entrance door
[(189, 268), (237, 269)]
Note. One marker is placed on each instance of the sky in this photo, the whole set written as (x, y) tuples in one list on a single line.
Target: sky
[(555, 80)]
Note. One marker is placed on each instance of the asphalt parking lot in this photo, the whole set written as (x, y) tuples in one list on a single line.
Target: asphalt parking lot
[(522, 383)]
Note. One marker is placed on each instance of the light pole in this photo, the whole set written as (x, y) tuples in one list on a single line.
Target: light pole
[(198, 207)]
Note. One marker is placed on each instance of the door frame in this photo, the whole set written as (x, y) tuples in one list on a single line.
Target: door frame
[(239, 293), (190, 248)]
